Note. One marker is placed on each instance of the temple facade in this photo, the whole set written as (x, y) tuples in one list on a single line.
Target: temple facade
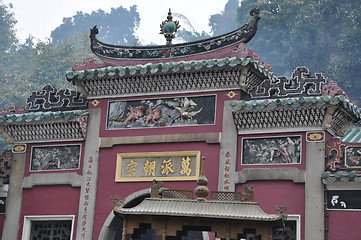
[(184, 141)]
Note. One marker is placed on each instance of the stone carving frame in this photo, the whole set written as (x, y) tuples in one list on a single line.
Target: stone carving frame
[(352, 156), (158, 113), (55, 157), (275, 150)]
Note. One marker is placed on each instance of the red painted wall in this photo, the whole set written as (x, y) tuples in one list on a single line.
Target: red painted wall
[(50, 200), (270, 194), (2, 220), (344, 223), (107, 163), (108, 187)]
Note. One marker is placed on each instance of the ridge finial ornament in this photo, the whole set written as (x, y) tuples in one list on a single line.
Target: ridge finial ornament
[(169, 27), (254, 11), (202, 190)]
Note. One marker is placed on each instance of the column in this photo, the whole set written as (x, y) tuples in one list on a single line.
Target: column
[(15, 197), (314, 195), (90, 177)]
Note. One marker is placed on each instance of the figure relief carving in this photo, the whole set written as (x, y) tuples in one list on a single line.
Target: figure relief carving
[(155, 189)]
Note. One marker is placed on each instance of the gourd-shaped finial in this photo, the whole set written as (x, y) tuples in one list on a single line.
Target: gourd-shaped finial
[(202, 190)]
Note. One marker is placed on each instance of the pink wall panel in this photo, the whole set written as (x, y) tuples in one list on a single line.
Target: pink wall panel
[(50, 200), (270, 194), (344, 225)]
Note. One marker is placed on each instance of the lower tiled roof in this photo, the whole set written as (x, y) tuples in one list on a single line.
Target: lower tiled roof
[(342, 176), (352, 135), (41, 116), (197, 208)]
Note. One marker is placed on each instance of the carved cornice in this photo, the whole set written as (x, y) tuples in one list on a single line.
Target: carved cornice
[(334, 114), (61, 126), (171, 77)]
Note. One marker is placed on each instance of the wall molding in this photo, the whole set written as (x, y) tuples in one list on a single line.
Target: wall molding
[(166, 138), (37, 179), (290, 173)]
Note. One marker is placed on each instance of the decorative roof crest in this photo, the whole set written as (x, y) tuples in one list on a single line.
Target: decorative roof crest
[(169, 27), (51, 99)]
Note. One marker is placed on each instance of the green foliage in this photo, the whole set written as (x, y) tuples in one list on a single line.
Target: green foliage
[(7, 28), (116, 27), (28, 67), (188, 36), (38, 64), (226, 21), (322, 35)]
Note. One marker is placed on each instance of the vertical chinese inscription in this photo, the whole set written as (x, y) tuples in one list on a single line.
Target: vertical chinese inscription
[(183, 165), (227, 168), (84, 217)]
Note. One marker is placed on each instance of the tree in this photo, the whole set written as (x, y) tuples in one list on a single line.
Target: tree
[(27, 67), (225, 21), (321, 35), (7, 28), (8, 43), (116, 27)]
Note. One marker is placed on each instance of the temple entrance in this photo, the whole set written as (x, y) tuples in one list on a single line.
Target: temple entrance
[(166, 214), (145, 232)]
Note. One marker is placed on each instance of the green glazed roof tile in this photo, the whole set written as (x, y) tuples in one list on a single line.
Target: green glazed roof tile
[(170, 67), (296, 102), (352, 135), (343, 176), (37, 116)]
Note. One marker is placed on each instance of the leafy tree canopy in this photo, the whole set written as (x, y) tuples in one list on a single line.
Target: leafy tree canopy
[(225, 21), (116, 27), (7, 28), (29, 66), (322, 35)]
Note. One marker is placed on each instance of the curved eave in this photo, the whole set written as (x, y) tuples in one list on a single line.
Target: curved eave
[(41, 116), (195, 208), (169, 67), (177, 51), (271, 104), (352, 135)]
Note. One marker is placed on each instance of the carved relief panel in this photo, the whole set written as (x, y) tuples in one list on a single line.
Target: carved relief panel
[(52, 158), (178, 111), (272, 150)]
